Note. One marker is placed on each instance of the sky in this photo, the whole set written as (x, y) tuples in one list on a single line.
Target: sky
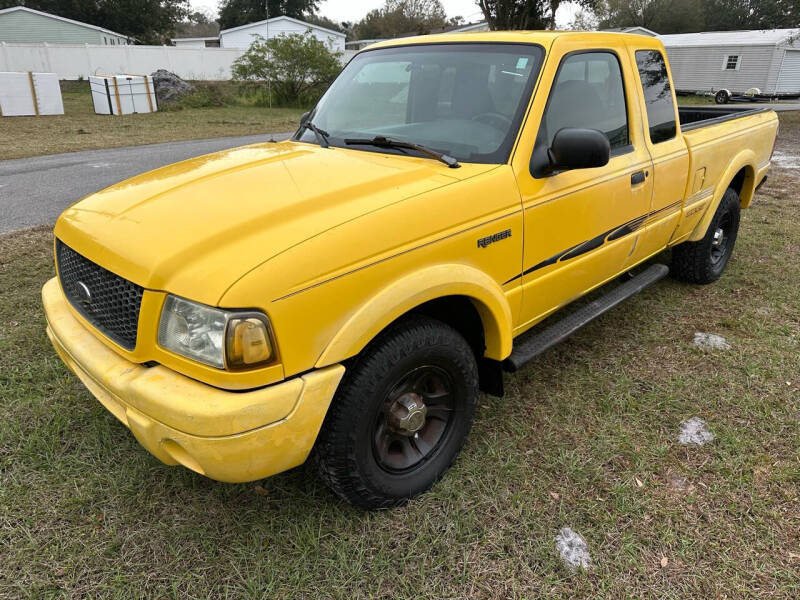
[(354, 10)]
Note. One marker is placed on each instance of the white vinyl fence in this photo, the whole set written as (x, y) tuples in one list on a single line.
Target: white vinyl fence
[(72, 61)]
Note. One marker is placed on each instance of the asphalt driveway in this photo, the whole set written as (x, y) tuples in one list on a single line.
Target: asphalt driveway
[(34, 191)]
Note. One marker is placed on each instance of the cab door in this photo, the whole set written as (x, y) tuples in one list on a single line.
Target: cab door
[(581, 226), (667, 149)]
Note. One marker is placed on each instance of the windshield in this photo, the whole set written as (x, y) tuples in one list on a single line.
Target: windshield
[(466, 100)]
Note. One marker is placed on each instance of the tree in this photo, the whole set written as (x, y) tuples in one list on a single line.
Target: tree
[(661, 16), (298, 67), (584, 20), (523, 14), (233, 13), (398, 17), (197, 23), (325, 22), (686, 16), (148, 21), (456, 21), (723, 15)]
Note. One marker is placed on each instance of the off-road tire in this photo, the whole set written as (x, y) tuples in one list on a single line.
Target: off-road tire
[(346, 454), (696, 262)]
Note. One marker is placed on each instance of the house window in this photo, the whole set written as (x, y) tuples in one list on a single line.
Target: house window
[(732, 62)]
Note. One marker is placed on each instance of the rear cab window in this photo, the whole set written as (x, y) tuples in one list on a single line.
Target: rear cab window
[(657, 95)]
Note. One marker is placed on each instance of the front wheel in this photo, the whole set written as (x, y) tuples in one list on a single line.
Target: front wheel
[(705, 260), (401, 415)]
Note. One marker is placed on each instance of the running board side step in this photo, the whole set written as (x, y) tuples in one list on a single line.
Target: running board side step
[(531, 345)]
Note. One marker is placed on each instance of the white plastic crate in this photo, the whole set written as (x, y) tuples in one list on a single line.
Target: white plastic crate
[(123, 94), (28, 94)]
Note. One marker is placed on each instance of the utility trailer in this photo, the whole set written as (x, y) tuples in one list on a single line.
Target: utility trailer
[(752, 95)]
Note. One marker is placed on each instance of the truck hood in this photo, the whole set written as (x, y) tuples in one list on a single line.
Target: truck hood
[(195, 227)]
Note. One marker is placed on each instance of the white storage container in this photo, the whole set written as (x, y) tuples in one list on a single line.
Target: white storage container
[(29, 94), (123, 94)]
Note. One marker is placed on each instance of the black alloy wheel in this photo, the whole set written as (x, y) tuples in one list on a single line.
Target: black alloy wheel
[(416, 417)]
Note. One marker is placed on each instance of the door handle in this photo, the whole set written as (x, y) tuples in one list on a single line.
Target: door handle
[(638, 177)]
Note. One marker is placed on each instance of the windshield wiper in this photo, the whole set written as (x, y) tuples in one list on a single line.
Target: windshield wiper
[(381, 141), (321, 135)]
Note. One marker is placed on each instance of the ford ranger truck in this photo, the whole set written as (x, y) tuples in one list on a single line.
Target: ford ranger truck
[(345, 294)]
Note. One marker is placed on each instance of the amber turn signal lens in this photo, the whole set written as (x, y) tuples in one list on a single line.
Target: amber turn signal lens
[(247, 342)]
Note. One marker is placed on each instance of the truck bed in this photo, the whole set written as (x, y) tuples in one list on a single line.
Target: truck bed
[(694, 117), (717, 138)]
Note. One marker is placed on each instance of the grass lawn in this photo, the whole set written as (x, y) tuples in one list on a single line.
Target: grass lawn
[(695, 99), (585, 438), (81, 129)]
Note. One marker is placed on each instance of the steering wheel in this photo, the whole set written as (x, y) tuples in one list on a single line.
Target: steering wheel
[(494, 119)]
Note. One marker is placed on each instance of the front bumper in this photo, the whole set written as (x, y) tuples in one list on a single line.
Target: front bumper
[(227, 436)]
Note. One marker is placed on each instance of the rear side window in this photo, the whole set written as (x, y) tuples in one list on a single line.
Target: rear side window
[(588, 92), (657, 95)]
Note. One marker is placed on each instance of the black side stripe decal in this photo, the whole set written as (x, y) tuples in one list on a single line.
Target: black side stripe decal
[(594, 243)]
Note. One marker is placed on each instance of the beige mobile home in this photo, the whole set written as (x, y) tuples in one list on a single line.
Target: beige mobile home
[(736, 61)]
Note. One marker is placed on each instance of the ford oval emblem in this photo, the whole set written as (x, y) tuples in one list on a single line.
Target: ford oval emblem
[(83, 294)]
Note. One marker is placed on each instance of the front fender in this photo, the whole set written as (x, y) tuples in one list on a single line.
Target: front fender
[(746, 159), (405, 294)]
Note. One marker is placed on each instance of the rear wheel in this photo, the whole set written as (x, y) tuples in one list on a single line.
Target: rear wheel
[(722, 97), (400, 416), (705, 260)]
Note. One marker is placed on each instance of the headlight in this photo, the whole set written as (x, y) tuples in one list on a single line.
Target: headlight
[(216, 337)]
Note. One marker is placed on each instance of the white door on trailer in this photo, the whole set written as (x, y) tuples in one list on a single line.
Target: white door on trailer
[(789, 77)]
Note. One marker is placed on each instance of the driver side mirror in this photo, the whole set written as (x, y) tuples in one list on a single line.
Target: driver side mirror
[(304, 117), (578, 148)]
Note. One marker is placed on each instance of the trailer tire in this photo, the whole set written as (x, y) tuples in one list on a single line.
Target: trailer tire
[(704, 261), (722, 97)]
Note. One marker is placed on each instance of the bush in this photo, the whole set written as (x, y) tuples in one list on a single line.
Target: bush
[(298, 68)]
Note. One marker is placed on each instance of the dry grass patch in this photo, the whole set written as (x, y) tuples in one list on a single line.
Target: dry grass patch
[(81, 129)]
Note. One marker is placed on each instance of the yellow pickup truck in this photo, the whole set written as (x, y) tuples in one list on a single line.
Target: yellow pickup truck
[(345, 294)]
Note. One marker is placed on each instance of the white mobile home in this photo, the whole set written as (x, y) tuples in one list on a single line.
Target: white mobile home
[(736, 60), (242, 36)]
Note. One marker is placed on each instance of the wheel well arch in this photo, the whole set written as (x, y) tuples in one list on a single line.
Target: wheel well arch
[(428, 290), (743, 176), (467, 316), (743, 183), (460, 313)]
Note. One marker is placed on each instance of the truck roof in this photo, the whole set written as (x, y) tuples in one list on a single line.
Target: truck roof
[(545, 38)]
